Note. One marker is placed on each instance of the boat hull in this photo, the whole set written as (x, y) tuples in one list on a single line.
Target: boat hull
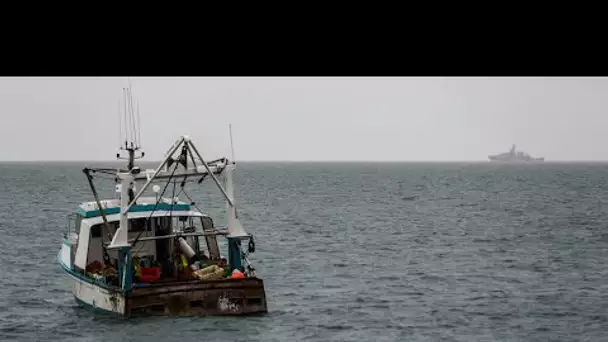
[(517, 161), (96, 296), (227, 297)]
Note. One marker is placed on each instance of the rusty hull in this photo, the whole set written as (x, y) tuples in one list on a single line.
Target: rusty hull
[(199, 298)]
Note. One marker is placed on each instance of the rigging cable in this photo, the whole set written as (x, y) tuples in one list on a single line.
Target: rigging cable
[(156, 205), (191, 201)]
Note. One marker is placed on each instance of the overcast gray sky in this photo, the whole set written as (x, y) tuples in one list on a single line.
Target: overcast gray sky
[(410, 119)]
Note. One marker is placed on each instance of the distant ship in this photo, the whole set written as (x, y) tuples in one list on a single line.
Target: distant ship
[(514, 156)]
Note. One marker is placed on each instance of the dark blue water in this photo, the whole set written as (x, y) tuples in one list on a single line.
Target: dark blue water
[(351, 252)]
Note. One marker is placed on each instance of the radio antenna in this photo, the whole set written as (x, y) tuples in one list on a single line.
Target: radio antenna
[(132, 126), (231, 144)]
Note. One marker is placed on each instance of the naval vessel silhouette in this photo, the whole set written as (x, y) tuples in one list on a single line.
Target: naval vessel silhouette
[(514, 156)]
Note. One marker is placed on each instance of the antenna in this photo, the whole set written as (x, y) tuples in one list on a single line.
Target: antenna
[(138, 127), (231, 144), (131, 128), (124, 98), (119, 125)]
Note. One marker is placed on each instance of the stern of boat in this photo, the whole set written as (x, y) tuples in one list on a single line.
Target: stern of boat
[(230, 297)]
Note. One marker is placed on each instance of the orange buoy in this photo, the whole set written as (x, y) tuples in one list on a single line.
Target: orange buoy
[(236, 274)]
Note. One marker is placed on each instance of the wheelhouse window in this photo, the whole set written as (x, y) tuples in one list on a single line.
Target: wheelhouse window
[(96, 231), (140, 225)]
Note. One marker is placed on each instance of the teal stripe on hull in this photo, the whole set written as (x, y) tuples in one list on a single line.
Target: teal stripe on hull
[(134, 209)]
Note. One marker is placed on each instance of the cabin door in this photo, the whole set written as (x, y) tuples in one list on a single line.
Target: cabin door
[(162, 227)]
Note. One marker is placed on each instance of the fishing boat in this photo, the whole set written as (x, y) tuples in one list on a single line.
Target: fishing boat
[(157, 254)]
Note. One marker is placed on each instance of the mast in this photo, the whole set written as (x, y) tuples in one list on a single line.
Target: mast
[(231, 144), (131, 129), (132, 135), (126, 178), (128, 197)]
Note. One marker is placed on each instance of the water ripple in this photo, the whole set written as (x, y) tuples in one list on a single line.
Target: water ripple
[(351, 252)]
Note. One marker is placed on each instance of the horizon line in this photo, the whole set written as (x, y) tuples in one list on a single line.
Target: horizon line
[(312, 161)]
